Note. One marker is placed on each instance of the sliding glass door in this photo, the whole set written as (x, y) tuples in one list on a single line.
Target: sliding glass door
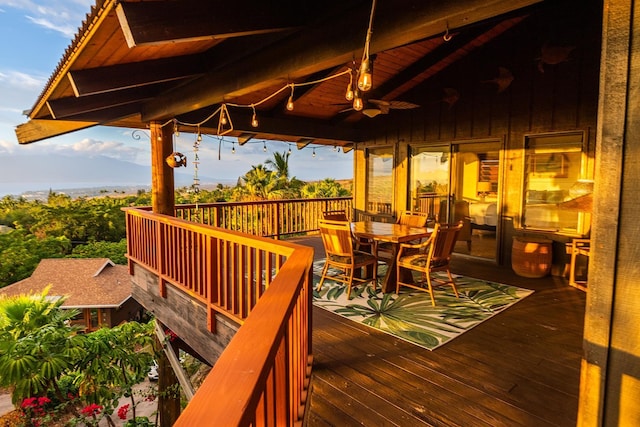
[(460, 182)]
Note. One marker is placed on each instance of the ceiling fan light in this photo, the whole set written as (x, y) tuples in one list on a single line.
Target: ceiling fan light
[(371, 112)]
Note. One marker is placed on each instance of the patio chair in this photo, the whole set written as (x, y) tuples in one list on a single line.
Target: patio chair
[(361, 244), (337, 215), (430, 256), (338, 244), (412, 218)]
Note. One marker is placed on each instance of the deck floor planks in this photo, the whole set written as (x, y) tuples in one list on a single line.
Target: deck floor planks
[(366, 362), (520, 368)]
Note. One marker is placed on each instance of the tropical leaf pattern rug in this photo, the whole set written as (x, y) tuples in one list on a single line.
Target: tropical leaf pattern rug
[(410, 315)]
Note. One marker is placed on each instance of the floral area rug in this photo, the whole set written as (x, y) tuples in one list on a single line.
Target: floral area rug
[(410, 315)]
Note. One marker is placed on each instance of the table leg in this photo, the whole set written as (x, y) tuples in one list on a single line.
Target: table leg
[(389, 279)]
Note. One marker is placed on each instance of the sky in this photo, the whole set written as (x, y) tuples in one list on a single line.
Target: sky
[(35, 34)]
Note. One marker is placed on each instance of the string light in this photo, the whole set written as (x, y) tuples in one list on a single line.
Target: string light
[(289, 150), (314, 152), (264, 146), (254, 119), (349, 94), (364, 83), (358, 104), (223, 116), (233, 147), (365, 78), (290, 101)]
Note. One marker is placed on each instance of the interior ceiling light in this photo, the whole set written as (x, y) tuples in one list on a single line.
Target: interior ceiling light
[(371, 111)]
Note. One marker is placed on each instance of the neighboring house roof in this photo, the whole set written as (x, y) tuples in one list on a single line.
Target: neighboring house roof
[(90, 282)]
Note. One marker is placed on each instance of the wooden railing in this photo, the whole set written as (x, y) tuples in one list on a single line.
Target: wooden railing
[(268, 218), (262, 376)]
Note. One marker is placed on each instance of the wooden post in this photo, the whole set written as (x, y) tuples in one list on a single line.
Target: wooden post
[(162, 183), (168, 387), (610, 385)]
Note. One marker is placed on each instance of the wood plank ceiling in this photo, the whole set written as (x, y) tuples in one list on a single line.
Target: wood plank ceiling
[(133, 62)]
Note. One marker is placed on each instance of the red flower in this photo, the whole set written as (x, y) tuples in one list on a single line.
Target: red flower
[(29, 402), (122, 411), (91, 410), (43, 400)]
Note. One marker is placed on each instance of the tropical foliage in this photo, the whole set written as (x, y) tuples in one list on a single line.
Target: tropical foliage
[(95, 227), (43, 356)]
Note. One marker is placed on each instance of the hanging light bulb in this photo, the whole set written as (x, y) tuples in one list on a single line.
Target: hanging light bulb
[(176, 132), (199, 138), (314, 153), (290, 101), (349, 94), (289, 151), (233, 148), (366, 65), (364, 76), (223, 117), (358, 104), (334, 148), (264, 147), (254, 119)]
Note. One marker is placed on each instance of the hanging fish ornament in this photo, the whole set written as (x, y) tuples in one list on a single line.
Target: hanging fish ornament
[(176, 160), (504, 79), (553, 55), (451, 96)]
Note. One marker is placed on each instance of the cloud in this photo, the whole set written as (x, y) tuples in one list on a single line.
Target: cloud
[(61, 16), (13, 78)]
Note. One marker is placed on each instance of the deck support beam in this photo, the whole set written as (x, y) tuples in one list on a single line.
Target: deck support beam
[(162, 181)]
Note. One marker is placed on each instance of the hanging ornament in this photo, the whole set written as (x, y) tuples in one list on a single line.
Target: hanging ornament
[(176, 160)]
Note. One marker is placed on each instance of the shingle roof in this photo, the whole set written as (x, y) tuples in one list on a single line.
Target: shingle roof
[(91, 282)]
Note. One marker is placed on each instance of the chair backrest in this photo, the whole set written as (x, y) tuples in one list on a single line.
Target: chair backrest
[(443, 241), (339, 215), (336, 237), (413, 218)]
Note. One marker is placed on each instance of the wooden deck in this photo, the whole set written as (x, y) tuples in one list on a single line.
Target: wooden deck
[(520, 368)]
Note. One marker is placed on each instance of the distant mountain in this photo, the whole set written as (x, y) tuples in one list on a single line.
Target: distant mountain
[(42, 172)]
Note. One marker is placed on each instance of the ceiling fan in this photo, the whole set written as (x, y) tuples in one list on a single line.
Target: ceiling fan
[(374, 107)]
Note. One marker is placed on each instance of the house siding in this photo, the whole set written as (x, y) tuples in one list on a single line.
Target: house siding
[(562, 98)]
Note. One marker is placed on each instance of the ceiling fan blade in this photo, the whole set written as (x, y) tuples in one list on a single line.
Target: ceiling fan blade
[(402, 105)]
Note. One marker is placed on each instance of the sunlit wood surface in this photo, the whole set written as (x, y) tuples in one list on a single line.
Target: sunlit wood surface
[(520, 368)]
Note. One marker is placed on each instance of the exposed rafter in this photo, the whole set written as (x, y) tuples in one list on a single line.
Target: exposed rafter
[(148, 23), (74, 106), (303, 55), (38, 129), (116, 77)]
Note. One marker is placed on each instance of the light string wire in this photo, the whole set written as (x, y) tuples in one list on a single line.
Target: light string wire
[(290, 86), (222, 109)]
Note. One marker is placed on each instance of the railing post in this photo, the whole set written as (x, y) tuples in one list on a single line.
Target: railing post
[(162, 286)]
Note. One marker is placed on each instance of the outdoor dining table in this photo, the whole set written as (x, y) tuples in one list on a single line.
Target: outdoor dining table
[(391, 233)]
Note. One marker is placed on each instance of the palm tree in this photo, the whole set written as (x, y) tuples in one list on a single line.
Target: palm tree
[(259, 183), (280, 164)]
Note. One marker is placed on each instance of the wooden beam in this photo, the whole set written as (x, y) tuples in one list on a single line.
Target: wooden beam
[(162, 181), (73, 106), (117, 77), (158, 22), (609, 378), (395, 25), (109, 114), (39, 129)]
